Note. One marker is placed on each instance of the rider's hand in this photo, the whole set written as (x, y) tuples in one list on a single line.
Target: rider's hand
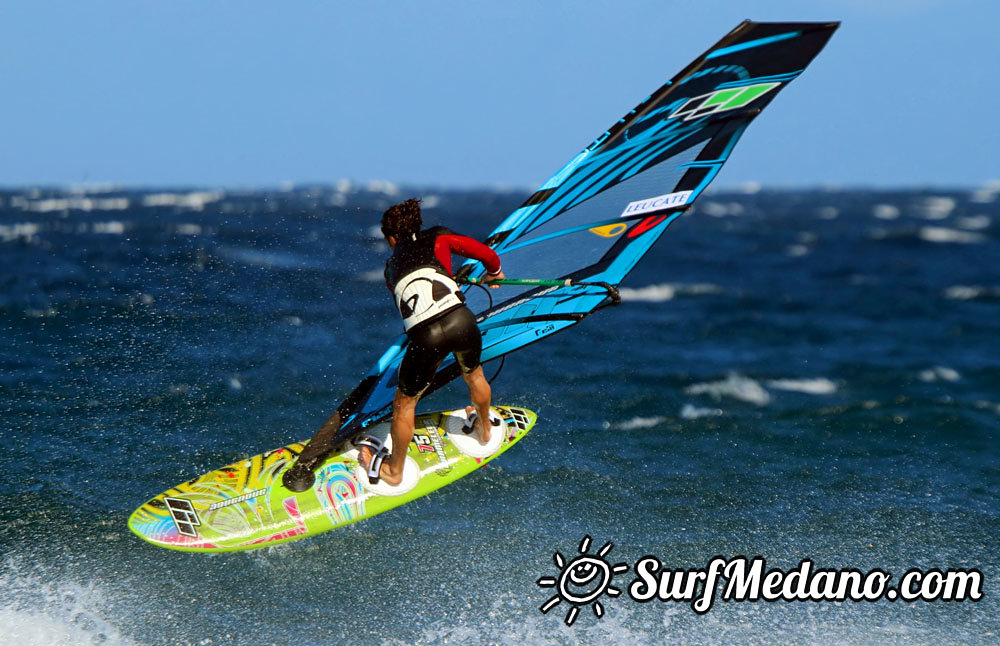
[(490, 278)]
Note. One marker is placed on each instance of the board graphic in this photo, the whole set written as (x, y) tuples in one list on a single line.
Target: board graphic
[(244, 505)]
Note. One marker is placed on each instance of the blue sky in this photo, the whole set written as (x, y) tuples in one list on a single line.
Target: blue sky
[(467, 93)]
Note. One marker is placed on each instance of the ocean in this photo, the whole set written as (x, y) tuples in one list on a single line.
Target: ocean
[(792, 374)]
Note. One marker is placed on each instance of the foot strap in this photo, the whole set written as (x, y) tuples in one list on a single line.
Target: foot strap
[(379, 453), (470, 423)]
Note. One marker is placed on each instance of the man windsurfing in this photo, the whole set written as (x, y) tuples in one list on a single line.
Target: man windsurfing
[(436, 321)]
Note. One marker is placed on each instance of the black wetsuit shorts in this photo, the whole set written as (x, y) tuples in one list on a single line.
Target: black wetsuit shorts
[(455, 332)]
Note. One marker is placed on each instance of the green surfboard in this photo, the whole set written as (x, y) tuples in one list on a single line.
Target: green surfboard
[(244, 506)]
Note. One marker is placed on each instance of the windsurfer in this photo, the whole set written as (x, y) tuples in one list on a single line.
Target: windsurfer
[(436, 321)]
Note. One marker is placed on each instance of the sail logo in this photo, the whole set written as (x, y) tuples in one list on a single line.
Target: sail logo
[(658, 203), (722, 101)]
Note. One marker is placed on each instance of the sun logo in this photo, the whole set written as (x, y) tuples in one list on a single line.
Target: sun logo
[(582, 580)]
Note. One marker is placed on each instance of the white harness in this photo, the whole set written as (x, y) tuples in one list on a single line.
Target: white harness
[(423, 294)]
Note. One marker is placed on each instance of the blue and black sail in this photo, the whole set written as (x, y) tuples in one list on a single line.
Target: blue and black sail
[(599, 214)]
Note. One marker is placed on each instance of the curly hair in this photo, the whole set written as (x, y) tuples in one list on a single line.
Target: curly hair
[(403, 218)]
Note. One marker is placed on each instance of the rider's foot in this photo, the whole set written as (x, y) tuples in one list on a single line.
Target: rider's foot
[(483, 430), (384, 475)]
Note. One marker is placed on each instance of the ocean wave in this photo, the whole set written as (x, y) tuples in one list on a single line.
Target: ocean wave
[(270, 259), (637, 423), (40, 611), (982, 404), (620, 626), (382, 186), (885, 211), (945, 235), (735, 386), (114, 227), (667, 291), (195, 201), (690, 411), (938, 373), (975, 222), (718, 209), (817, 386), (22, 231), (986, 194), (60, 204), (188, 229), (970, 292), (936, 207), (372, 276)]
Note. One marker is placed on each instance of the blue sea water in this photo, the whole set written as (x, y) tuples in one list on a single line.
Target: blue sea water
[(791, 374)]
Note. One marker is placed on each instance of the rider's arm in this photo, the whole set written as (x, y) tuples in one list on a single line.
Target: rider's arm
[(450, 243)]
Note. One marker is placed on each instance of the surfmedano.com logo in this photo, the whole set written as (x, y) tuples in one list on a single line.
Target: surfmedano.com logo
[(585, 578), (582, 581)]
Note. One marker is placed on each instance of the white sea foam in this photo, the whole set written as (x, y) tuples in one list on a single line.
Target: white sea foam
[(372, 276), (963, 292), (828, 212), (937, 208), (37, 611), (188, 229), (623, 621), (113, 227), (272, 259), (987, 405), (382, 186), (619, 625), (939, 373), (649, 294), (720, 210), (96, 188), (945, 235), (986, 194), (35, 313), (735, 386), (24, 231), (975, 222), (969, 292), (667, 291), (817, 386), (71, 204), (637, 423), (689, 411), (885, 211), (797, 250), (195, 201)]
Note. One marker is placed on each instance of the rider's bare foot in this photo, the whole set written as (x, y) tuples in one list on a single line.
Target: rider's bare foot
[(482, 429), (365, 458)]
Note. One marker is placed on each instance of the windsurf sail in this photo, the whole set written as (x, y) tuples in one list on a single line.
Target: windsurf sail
[(599, 214)]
